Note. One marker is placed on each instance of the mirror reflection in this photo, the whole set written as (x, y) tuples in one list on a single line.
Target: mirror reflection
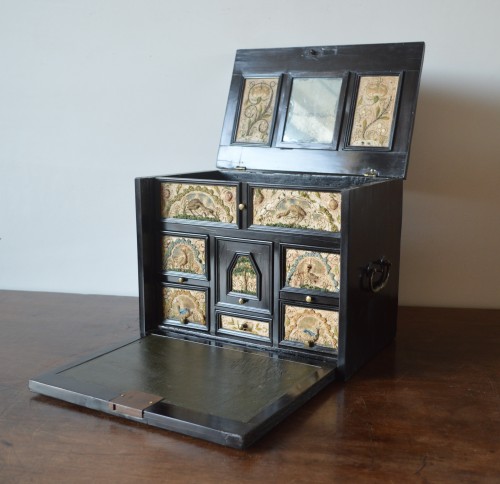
[(312, 110)]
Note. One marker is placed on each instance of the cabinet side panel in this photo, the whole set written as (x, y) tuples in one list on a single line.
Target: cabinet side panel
[(145, 215), (373, 233)]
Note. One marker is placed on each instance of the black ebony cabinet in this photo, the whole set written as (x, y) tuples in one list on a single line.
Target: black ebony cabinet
[(266, 279)]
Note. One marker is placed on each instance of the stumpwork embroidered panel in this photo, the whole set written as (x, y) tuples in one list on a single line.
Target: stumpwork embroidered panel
[(244, 277), (184, 254), (374, 114), (183, 305), (212, 203), (299, 209), (307, 269), (257, 110), (312, 326), (232, 323)]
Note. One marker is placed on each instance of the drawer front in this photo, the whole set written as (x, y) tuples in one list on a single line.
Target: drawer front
[(185, 306), (184, 255), (244, 326), (296, 209), (312, 270), (311, 327), (199, 202)]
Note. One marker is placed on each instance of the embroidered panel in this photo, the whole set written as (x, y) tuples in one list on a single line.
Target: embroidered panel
[(212, 203), (298, 209), (306, 269), (244, 278), (374, 112), (184, 254), (312, 326), (184, 305), (232, 323), (257, 110)]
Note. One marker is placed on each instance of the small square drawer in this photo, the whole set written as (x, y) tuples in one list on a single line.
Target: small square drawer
[(296, 209), (312, 270), (310, 327), (199, 202), (187, 307), (184, 255), (244, 326)]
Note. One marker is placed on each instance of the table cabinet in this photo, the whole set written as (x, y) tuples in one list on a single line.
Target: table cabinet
[(263, 280)]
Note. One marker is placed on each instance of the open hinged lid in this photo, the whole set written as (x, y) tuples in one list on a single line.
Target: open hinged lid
[(335, 109)]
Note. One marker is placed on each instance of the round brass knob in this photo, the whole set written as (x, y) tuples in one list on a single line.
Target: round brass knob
[(241, 300), (309, 299), (244, 326), (309, 343), (181, 280), (242, 206), (184, 320)]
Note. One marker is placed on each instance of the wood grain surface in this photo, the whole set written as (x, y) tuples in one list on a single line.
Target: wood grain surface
[(426, 409)]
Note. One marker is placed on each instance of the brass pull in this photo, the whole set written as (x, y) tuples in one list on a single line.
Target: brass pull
[(309, 299), (244, 327), (242, 301), (242, 206), (184, 320), (181, 280)]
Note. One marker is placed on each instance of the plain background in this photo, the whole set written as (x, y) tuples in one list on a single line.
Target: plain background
[(94, 93)]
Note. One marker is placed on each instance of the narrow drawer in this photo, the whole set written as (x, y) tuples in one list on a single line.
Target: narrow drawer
[(187, 307), (199, 202), (244, 326), (296, 209), (310, 327)]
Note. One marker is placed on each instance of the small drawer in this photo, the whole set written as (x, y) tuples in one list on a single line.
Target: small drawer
[(199, 202), (310, 327), (243, 326), (184, 256), (296, 209), (312, 270), (186, 307)]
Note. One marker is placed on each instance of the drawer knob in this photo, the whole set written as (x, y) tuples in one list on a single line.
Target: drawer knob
[(309, 344), (184, 320), (242, 206), (309, 299), (181, 280), (242, 301), (244, 326)]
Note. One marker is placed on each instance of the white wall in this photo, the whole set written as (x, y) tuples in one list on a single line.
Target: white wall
[(96, 92)]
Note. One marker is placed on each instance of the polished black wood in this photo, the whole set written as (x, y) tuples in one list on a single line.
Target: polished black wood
[(404, 59), (426, 409)]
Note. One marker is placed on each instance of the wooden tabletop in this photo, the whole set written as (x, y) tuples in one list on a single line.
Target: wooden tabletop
[(427, 409)]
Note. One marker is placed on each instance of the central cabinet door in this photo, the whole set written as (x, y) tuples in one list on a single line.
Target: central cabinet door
[(244, 274)]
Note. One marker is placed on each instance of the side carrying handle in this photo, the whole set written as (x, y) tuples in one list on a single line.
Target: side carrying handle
[(378, 274)]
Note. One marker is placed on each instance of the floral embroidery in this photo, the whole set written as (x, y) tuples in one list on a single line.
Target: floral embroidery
[(374, 114)]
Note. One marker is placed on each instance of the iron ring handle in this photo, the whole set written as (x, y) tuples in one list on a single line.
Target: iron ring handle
[(378, 274)]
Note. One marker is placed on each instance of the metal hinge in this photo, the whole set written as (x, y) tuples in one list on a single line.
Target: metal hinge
[(371, 172), (133, 403)]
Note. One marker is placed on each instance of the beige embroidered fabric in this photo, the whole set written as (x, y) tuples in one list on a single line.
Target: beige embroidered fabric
[(232, 323), (308, 269), (184, 254), (374, 114), (213, 203), (300, 209), (307, 325), (257, 110), (183, 305)]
